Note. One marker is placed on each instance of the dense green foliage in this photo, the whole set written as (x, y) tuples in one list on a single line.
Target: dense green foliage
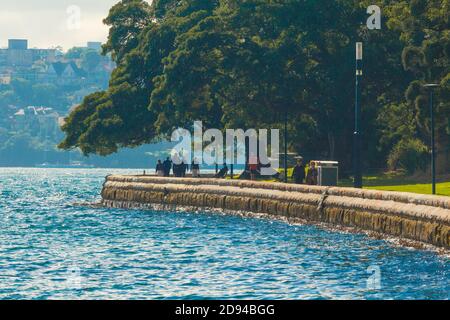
[(408, 154), (248, 63)]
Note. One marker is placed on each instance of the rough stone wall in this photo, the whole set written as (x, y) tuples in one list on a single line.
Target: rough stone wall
[(415, 217)]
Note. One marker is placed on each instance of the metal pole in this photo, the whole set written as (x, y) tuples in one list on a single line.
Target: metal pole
[(357, 134), (285, 147), (433, 146)]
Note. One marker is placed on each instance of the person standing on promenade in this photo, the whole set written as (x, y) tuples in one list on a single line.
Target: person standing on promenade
[(176, 170), (253, 167), (195, 168), (183, 169), (311, 177), (160, 169), (299, 173), (167, 166)]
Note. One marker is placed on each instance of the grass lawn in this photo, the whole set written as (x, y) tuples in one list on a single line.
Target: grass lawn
[(402, 184), (395, 182), (442, 189)]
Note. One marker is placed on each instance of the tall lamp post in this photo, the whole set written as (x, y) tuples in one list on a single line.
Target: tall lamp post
[(431, 87), (357, 166), (285, 147)]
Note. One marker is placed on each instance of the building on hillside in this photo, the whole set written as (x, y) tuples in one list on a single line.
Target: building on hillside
[(26, 74), (65, 72), (19, 55), (5, 79), (45, 55), (3, 57), (17, 44), (40, 122), (19, 58)]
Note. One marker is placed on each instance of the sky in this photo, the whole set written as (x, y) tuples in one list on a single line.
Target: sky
[(51, 23)]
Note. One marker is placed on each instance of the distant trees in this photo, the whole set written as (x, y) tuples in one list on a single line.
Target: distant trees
[(126, 20), (44, 94), (75, 53), (7, 97), (90, 59), (23, 89), (249, 63), (22, 93), (425, 33)]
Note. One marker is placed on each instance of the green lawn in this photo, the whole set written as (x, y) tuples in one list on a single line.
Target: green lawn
[(400, 183), (441, 188), (395, 182)]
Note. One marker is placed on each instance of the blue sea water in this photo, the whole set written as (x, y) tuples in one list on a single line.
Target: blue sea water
[(50, 249)]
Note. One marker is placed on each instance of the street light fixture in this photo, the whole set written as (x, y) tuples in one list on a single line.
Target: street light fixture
[(357, 165), (431, 87)]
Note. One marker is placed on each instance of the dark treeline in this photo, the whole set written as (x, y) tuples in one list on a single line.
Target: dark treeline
[(244, 64)]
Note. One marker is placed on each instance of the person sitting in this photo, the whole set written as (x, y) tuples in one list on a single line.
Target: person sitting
[(223, 172), (298, 175), (245, 175)]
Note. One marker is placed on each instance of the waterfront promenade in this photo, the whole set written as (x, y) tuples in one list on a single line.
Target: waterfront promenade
[(414, 217)]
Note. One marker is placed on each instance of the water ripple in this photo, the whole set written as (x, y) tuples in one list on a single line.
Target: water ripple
[(52, 250)]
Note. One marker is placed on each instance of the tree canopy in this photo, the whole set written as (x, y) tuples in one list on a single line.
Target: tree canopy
[(248, 63)]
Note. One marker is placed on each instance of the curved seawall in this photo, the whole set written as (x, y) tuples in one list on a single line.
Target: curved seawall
[(416, 217)]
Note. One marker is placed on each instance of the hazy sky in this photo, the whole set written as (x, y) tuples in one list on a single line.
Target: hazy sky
[(47, 23)]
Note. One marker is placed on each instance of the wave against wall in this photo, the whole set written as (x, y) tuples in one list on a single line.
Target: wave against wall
[(405, 215)]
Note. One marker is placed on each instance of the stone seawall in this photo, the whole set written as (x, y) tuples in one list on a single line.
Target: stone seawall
[(416, 217)]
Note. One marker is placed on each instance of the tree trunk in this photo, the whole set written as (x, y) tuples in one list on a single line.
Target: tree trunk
[(442, 153), (332, 145)]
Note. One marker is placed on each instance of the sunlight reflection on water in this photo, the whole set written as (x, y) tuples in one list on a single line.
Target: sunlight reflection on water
[(52, 250)]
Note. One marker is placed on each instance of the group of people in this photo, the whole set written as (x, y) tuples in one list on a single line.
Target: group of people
[(300, 174), (163, 169)]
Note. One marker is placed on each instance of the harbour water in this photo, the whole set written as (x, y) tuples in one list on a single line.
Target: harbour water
[(51, 249)]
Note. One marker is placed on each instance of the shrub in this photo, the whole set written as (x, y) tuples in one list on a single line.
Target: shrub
[(409, 154)]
